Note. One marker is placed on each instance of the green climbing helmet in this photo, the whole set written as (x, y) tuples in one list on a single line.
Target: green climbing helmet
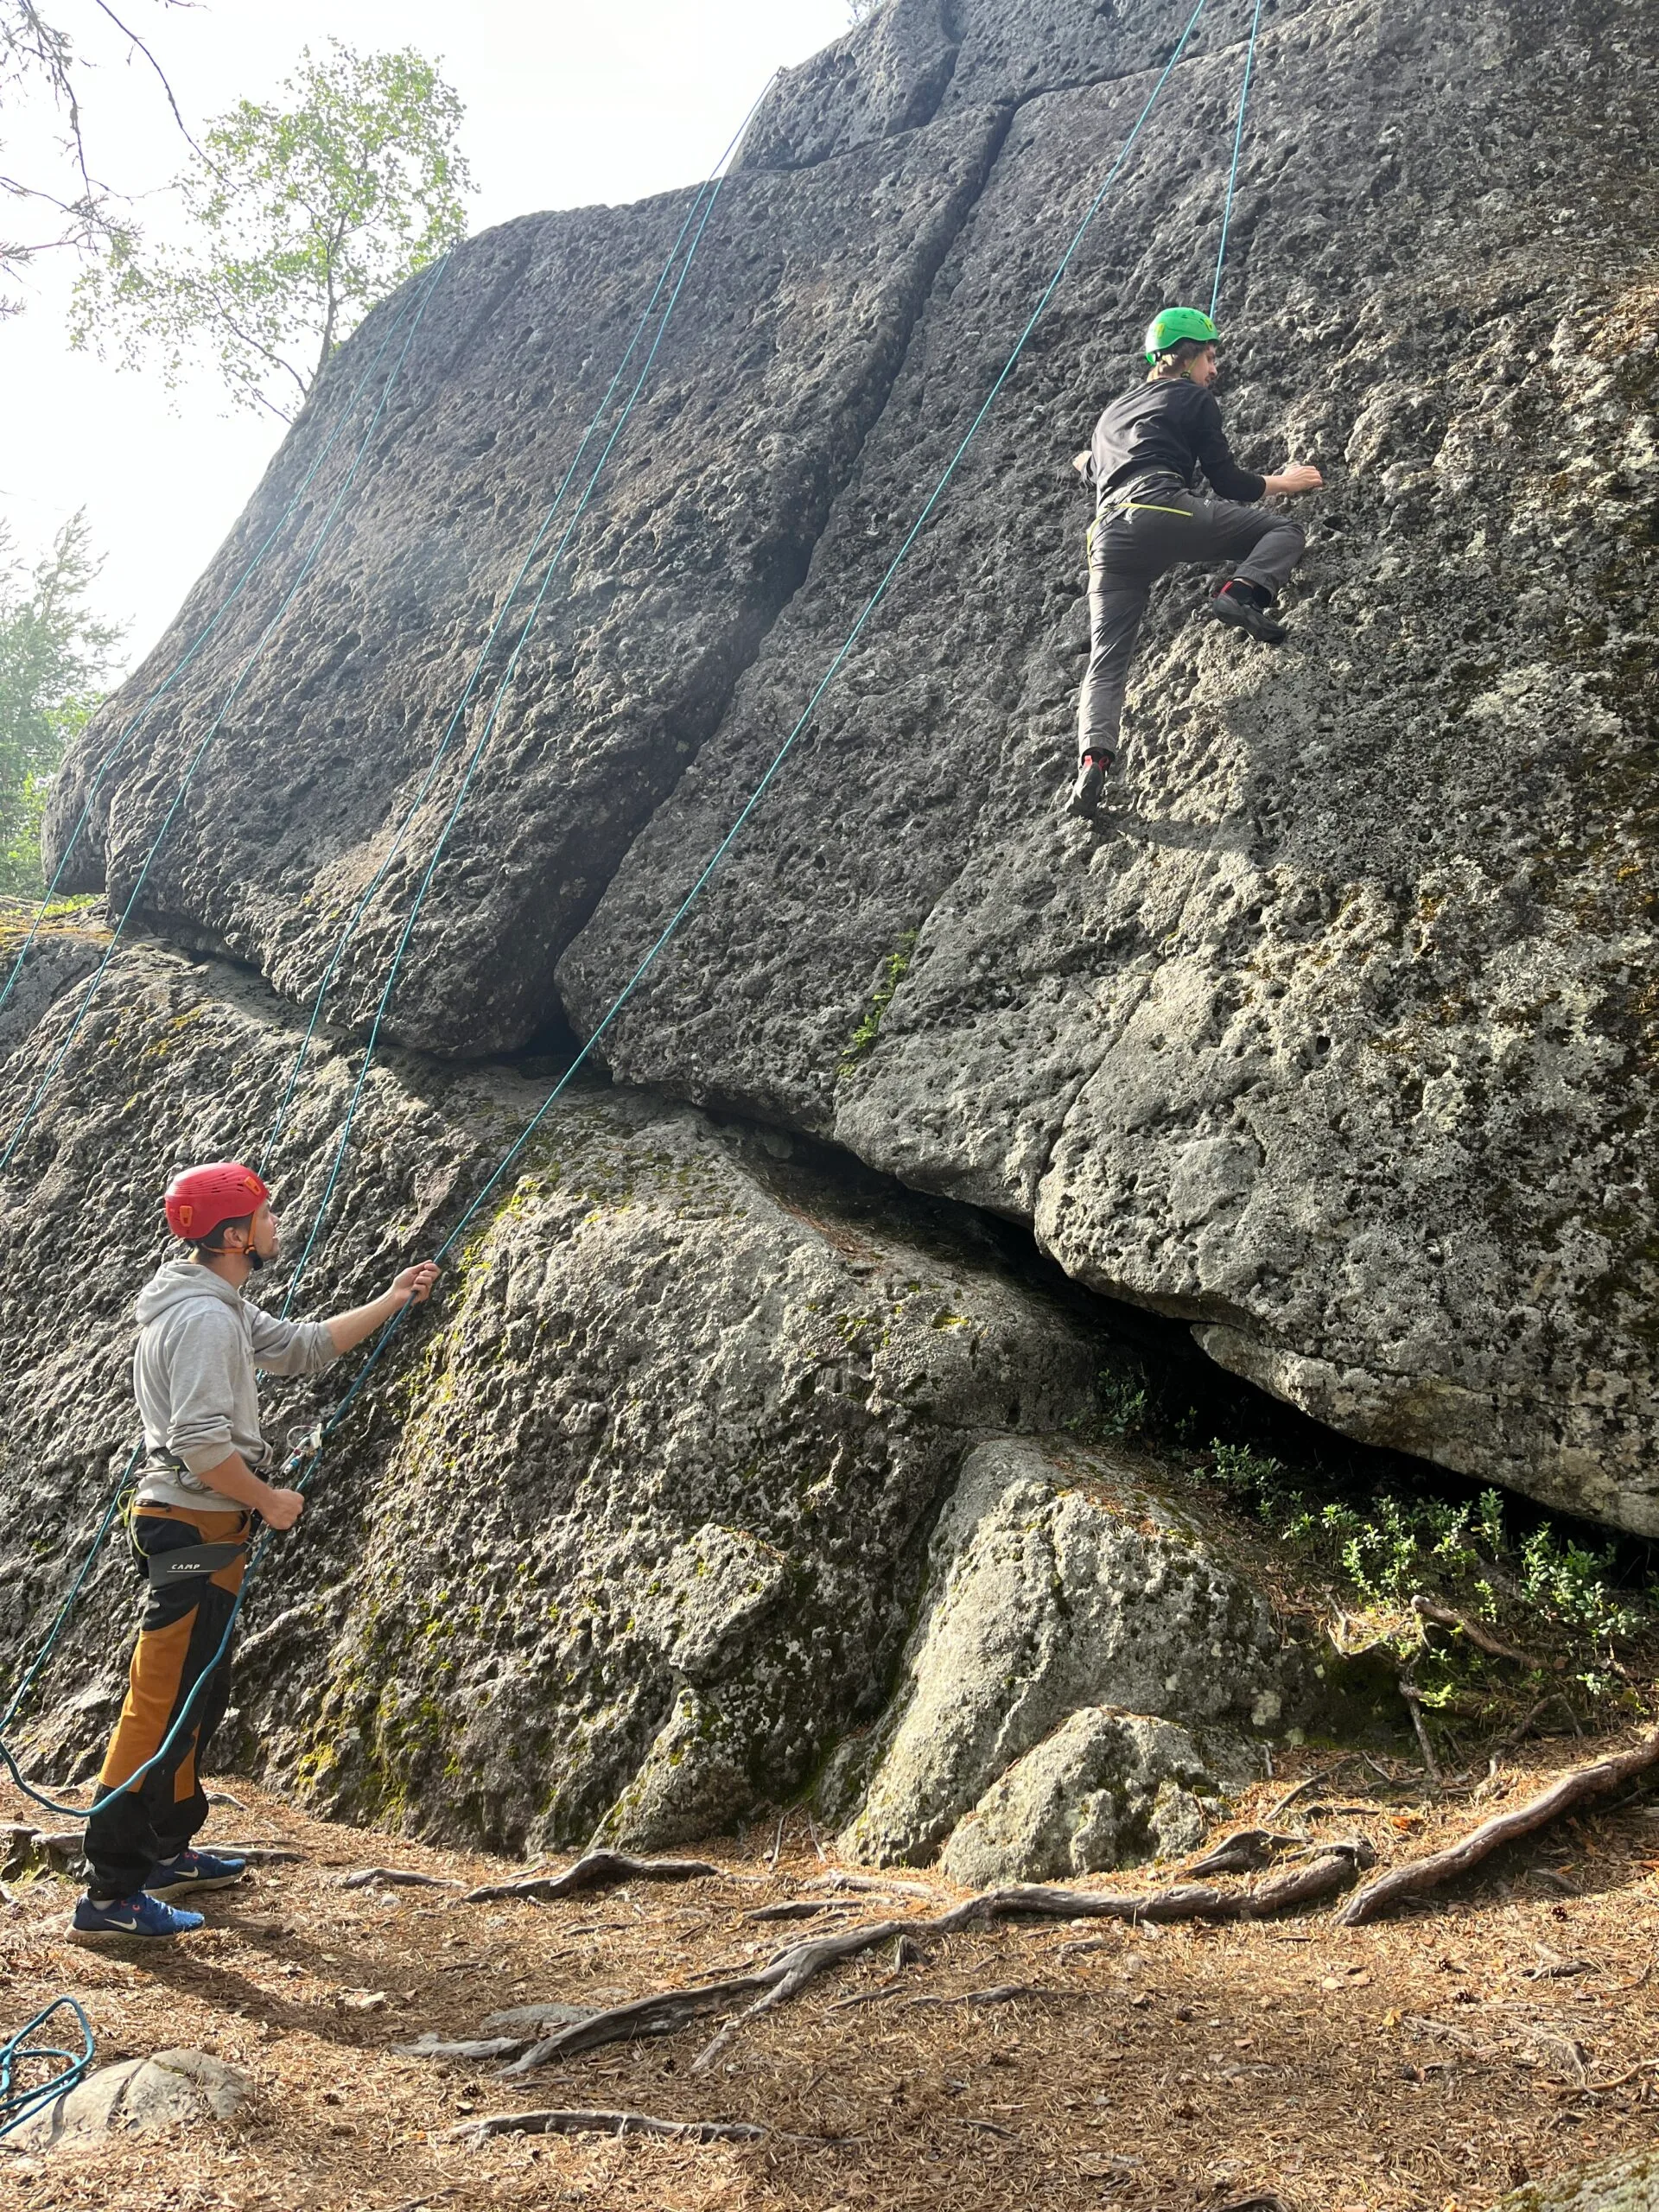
[(1176, 323)]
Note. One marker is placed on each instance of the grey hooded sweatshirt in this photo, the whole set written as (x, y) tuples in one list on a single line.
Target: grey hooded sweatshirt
[(193, 1374)]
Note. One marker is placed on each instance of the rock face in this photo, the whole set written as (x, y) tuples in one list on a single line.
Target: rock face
[(628, 1536), (1105, 1789), (1335, 1038), (1063, 1606)]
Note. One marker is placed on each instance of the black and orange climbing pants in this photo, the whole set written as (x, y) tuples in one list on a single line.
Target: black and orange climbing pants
[(183, 1626)]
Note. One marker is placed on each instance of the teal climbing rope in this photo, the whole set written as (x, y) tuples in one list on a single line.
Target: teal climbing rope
[(1239, 146), (137, 721), (699, 208), (699, 205), (304, 1466), (111, 1514), (386, 1334), (390, 984), (19, 2101)]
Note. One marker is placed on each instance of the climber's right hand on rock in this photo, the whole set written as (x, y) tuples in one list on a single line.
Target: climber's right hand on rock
[(1300, 477), (281, 1508)]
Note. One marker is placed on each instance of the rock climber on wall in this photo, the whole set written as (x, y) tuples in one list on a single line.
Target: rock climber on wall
[(1145, 457)]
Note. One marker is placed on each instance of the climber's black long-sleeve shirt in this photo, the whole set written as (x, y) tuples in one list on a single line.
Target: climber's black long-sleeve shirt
[(1169, 427)]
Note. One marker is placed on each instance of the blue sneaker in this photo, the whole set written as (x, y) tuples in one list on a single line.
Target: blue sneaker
[(139, 1918), (193, 1870)]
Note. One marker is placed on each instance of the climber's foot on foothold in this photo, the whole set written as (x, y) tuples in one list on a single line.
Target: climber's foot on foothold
[(1090, 783), (1244, 607)]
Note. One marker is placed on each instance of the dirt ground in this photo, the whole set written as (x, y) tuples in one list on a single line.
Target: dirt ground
[(1432, 2061)]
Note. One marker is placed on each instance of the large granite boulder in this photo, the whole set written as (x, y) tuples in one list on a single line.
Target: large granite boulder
[(1335, 1038), (1082, 1663), (778, 356), (629, 1532)]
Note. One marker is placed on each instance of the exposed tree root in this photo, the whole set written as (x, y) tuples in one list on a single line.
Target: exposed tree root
[(599, 1870), (605, 2123), (788, 1973), (1245, 1852), (396, 1877), (1573, 1789)]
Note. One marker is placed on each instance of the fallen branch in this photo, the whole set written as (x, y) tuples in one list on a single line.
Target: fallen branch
[(797, 1909), (1618, 2081), (864, 1885), (647, 2016), (1414, 1698), (1573, 1789), (789, 1971), (598, 1869), (605, 2123), (1006, 1992), (1482, 1638)]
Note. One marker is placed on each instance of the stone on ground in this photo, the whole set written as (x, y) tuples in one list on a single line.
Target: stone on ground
[(145, 2096)]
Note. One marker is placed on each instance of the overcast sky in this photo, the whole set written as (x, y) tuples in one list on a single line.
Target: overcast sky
[(568, 104)]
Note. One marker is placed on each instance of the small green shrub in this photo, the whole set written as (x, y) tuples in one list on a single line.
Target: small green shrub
[(1391, 1548), (893, 971)]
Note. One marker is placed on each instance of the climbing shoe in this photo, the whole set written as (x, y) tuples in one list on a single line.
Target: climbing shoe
[(1244, 607), (1090, 783), (194, 1869), (137, 1919)]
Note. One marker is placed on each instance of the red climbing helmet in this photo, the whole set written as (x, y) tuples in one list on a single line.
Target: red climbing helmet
[(198, 1201)]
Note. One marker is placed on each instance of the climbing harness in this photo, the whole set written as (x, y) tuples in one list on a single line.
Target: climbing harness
[(289, 596), (141, 715), (163, 1568), (19, 2102)]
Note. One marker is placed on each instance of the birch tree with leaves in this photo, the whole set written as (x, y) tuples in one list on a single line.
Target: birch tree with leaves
[(54, 653), (302, 213)]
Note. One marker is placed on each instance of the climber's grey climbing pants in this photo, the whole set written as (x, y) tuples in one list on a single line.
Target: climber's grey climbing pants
[(1151, 528)]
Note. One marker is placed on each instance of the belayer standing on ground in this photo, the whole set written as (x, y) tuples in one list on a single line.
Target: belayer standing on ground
[(1143, 461), (203, 1482)]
